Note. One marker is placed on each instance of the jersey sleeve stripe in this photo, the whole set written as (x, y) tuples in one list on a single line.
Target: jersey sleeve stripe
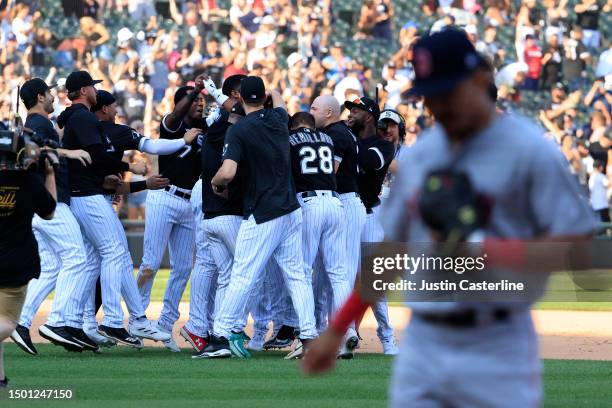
[(163, 122), (380, 156)]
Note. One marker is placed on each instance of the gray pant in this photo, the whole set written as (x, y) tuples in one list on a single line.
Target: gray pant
[(491, 366)]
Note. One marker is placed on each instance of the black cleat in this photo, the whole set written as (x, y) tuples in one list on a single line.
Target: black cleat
[(217, 347), (4, 383), (282, 339), (60, 337), (80, 337), (120, 335), (21, 337)]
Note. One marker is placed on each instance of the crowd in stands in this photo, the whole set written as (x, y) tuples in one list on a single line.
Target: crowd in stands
[(552, 58)]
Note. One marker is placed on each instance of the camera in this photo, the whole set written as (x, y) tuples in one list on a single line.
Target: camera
[(21, 149)]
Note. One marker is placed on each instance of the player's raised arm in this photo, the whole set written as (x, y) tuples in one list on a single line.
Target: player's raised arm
[(174, 118)]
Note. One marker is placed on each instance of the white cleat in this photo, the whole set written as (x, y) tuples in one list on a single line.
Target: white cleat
[(172, 346), (256, 343), (146, 329), (389, 347), (100, 340)]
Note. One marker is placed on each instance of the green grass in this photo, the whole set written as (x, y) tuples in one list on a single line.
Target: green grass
[(156, 378)]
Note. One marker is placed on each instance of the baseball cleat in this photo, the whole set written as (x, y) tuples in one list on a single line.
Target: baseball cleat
[(21, 337), (389, 347), (236, 343), (172, 346), (198, 343), (217, 347), (4, 383), (120, 335), (80, 337), (299, 350), (146, 329), (98, 338), (59, 337), (351, 341), (282, 339), (257, 342)]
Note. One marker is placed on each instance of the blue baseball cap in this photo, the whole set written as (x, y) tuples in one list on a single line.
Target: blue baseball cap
[(441, 61)]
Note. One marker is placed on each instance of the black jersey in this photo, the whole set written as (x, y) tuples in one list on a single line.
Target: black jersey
[(345, 152), (44, 128), (182, 168), (120, 138), (214, 205), (259, 143), (375, 156), (22, 195), (82, 130), (312, 160)]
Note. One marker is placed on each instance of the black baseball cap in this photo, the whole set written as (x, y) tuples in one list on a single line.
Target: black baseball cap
[(560, 85), (32, 88), (80, 79), (230, 83), (441, 61), (365, 104), (103, 98), (252, 89)]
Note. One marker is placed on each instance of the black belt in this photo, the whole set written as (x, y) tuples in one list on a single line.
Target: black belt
[(308, 194), (186, 196), (465, 318), (370, 210)]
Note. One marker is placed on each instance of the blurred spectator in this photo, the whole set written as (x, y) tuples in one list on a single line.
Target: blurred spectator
[(375, 20), (598, 186), (336, 63), (551, 62), (238, 66), (587, 18), (533, 59), (96, 36), (574, 59)]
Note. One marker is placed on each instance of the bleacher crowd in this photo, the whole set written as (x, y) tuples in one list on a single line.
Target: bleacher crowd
[(552, 58)]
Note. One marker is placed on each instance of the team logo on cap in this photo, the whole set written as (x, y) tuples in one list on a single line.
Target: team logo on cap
[(421, 60)]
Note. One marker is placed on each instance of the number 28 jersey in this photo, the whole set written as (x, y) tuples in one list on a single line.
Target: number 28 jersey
[(312, 160)]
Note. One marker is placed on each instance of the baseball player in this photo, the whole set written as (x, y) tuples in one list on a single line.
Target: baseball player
[(102, 231), (272, 218), (471, 353), (61, 250), (169, 222), (203, 282), (221, 216), (312, 158), (123, 138), (326, 111), (374, 157)]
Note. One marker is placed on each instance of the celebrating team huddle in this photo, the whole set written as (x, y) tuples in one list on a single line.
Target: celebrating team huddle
[(272, 208)]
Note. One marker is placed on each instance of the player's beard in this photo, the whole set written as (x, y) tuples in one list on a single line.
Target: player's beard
[(357, 126)]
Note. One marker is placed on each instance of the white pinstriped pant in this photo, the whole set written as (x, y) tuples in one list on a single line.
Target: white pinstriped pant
[(323, 232), (204, 274), (62, 261), (107, 252), (354, 221), (373, 232), (256, 244), (169, 222)]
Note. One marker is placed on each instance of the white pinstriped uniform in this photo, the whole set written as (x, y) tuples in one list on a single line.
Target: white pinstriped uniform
[(62, 260), (169, 222), (354, 221), (203, 276), (323, 232), (256, 244), (373, 232), (104, 236)]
